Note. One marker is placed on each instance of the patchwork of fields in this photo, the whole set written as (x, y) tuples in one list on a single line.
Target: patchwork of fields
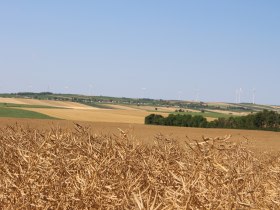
[(72, 111), (130, 118), (98, 115), (61, 104), (76, 111), (48, 162)]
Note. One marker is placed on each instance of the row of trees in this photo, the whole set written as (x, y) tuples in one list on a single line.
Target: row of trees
[(265, 120), (177, 120)]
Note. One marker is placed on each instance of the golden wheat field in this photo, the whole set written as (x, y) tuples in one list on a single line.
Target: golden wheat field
[(62, 104), (98, 115), (52, 164)]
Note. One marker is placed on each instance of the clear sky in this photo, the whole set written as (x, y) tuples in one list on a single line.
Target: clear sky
[(175, 49)]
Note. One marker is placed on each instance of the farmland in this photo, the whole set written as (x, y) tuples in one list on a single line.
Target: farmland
[(45, 103), (75, 111), (19, 113), (143, 103), (113, 166), (106, 158), (124, 113), (140, 105)]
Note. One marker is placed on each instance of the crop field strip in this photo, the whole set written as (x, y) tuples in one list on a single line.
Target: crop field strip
[(122, 116), (209, 114), (20, 113), (126, 114), (52, 103), (11, 105), (17, 111)]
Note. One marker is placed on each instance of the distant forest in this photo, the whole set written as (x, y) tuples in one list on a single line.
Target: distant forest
[(265, 120)]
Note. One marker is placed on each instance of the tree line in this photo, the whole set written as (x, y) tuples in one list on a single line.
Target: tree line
[(265, 120)]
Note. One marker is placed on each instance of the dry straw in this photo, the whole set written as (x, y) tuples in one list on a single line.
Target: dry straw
[(61, 169)]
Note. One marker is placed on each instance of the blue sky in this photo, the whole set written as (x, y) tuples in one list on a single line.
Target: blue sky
[(155, 49)]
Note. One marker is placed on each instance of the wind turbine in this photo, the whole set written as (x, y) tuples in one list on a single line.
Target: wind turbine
[(196, 95), (254, 95), (240, 93), (90, 89), (143, 91), (236, 95), (66, 89), (179, 95), (29, 88)]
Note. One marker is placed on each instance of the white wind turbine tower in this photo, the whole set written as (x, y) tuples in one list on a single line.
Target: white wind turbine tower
[(254, 96), (29, 88), (143, 89), (66, 88), (240, 93), (90, 89), (196, 95), (179, 95), (236, 95)]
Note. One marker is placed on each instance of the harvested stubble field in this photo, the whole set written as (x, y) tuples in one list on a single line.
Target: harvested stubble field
[(79, 169), (98, 115), (62, 104)]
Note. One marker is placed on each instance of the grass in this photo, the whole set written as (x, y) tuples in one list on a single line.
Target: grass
[(63, 169), (19, 113), (206, 114), (7, 105)]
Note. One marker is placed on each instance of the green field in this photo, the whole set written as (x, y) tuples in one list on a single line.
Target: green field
[(19, 113), (98, 105), (11, 105), (205, 114)]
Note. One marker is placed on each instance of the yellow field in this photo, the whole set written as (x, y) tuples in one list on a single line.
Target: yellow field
[(122, 107), (228, 112), (122, 115), (62, 104), (161, 109), (100, 115)]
